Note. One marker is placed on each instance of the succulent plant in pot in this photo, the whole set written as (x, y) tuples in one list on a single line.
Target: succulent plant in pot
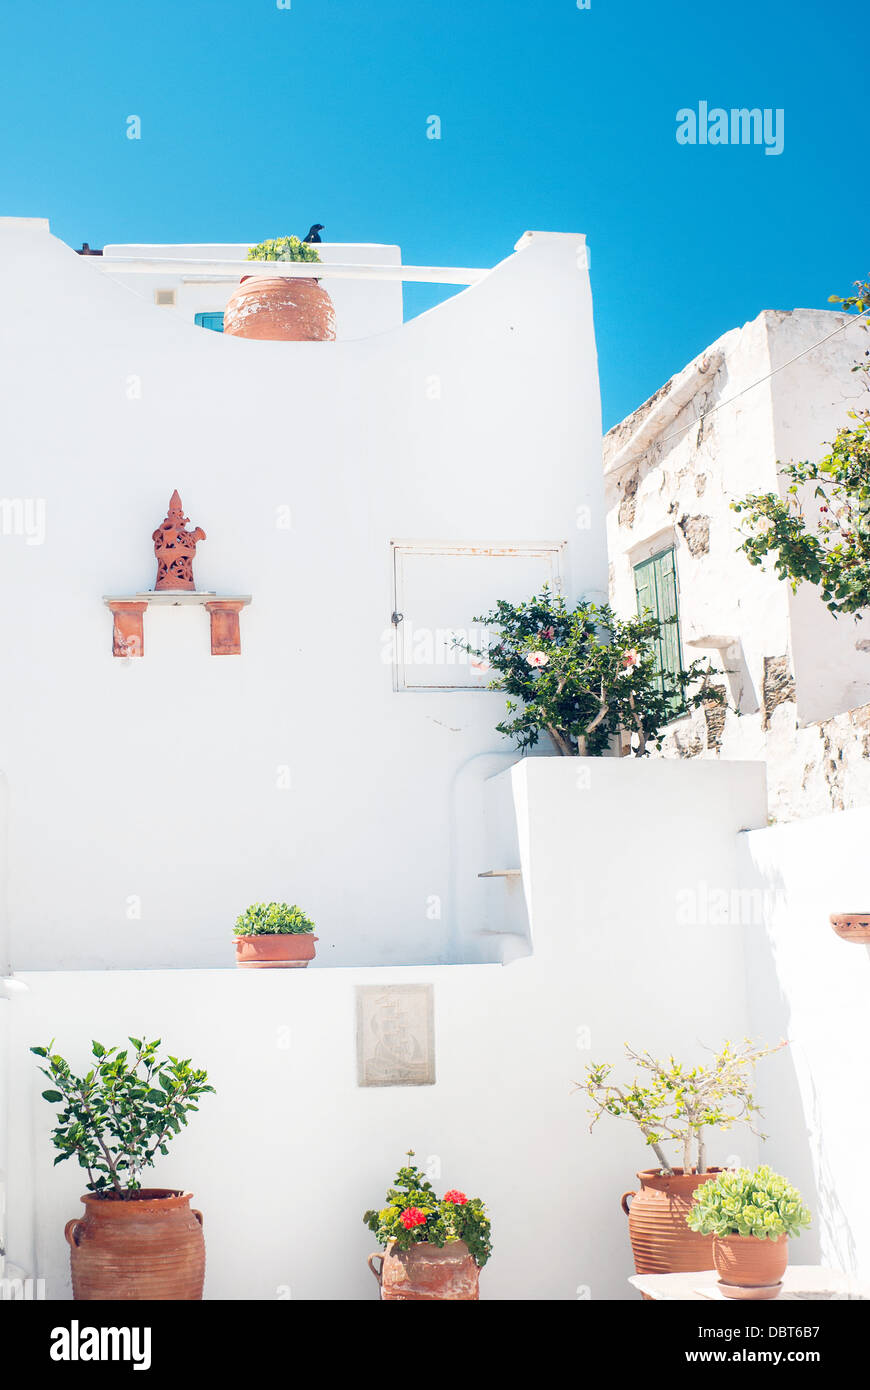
[(750, 1215), (132, 1242), (274, 935), (280, 307), (435, 1247)]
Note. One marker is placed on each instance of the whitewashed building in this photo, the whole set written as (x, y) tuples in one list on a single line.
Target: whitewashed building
[(365, 498)]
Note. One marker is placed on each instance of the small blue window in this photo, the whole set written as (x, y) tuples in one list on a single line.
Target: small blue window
[(214, 321)]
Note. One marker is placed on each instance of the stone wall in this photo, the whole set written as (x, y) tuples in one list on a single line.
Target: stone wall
[(811, 769)]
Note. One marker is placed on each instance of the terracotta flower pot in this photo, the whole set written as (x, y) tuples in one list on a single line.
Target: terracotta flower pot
[(661, 1242), (852, 926), (426, 1272), (280, 308), (745, 1262), (277, 951), (150, 1247)]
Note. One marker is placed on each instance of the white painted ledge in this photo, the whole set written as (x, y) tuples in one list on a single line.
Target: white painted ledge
[(297, 270)]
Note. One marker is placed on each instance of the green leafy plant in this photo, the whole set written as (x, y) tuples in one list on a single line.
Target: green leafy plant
[(740, 1202), (272, 919), (414, 1213), (678, 1103), (123, 1112), (830, 546), (582, 675), (284, 248)]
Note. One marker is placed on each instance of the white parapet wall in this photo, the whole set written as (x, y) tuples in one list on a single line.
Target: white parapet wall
[(812, 987), (290, 1151)]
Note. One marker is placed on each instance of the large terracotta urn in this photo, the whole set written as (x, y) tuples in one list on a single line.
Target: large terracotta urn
[(749, 1267), (149, 1246), (427, 1272), (661, 1242), (278, 950), (280, 308)]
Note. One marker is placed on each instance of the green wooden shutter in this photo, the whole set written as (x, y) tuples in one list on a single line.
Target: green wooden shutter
[(656, 587)]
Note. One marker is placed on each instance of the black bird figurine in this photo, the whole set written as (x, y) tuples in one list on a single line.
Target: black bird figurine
[(314, 233)]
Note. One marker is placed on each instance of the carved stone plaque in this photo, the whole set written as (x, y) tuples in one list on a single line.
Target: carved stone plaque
[(395, 1035)]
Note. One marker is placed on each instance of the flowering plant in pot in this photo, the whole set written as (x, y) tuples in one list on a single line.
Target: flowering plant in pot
[(435, 1247), (280, 307), (673, 1102), (750, 1215), (583, 675), (133, 1242), (274, 935)]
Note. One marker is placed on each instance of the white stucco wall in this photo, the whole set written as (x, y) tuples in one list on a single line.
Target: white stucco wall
[(155, 786), (614, 959), (808, 985)]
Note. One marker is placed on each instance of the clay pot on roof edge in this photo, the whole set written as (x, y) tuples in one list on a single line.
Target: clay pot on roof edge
[(279, 950), (279, 308), (148, 1246)]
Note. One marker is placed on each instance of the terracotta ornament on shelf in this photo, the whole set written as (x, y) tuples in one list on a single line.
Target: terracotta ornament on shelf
[(175, 548)]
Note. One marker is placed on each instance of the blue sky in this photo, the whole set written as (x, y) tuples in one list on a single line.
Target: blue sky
[(257, 121)]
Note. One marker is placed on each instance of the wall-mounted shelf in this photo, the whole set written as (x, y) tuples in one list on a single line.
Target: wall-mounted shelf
[(128, 637), (501, 873)]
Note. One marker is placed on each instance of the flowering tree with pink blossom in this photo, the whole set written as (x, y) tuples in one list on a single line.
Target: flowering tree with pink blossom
[(582, 675)]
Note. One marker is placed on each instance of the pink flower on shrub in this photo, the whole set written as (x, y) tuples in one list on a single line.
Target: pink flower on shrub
[(631, 658), (412, 1217), (549, 633), (457, 1198), (537, 659)]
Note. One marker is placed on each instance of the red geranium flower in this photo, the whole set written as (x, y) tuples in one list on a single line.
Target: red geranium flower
[(457, 1198), (412, 1217)]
